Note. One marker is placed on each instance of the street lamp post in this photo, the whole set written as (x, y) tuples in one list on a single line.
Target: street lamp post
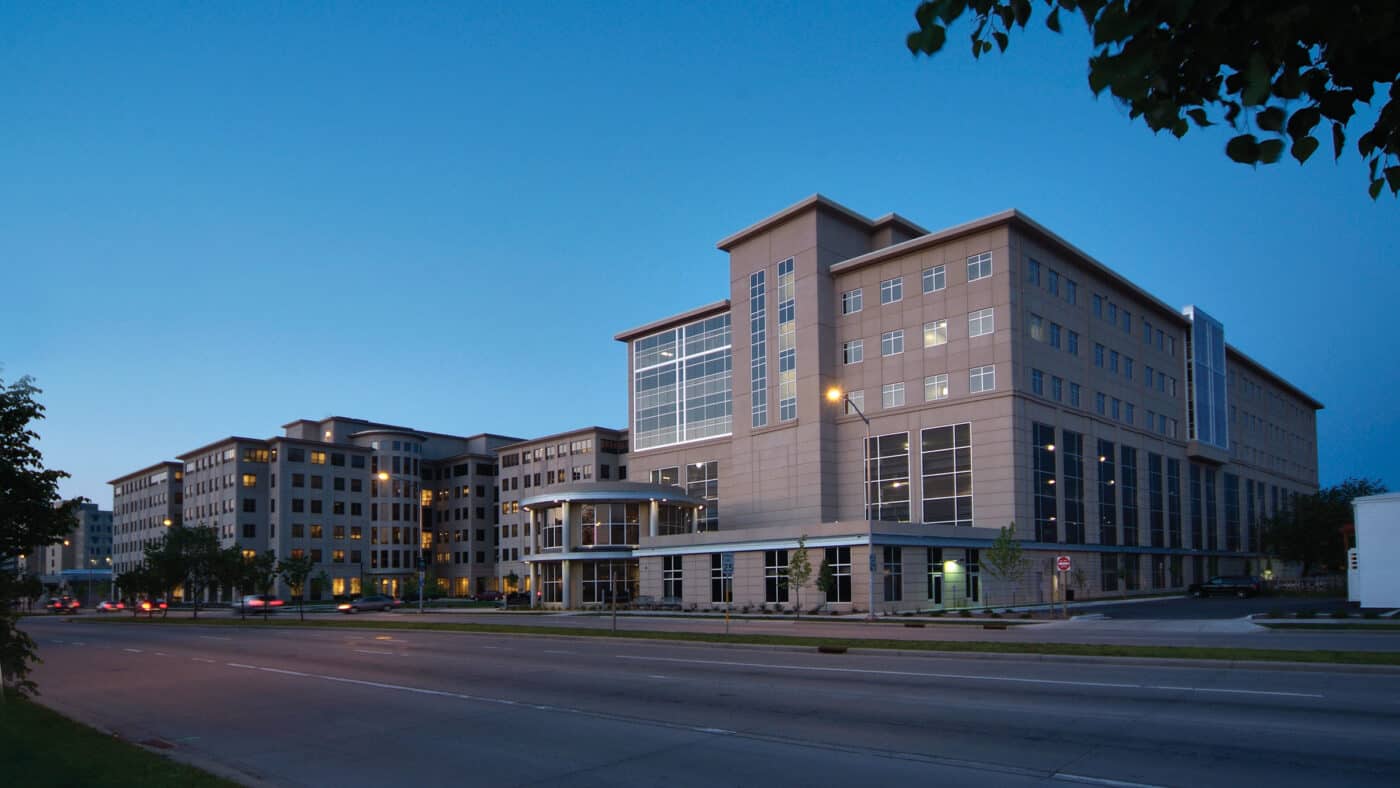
[(835, 394)]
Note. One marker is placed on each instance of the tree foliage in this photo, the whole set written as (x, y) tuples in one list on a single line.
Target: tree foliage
[(260, 576), (1005, 560), (799, 572), (826, 580), (1309, 531), (29, 518), (295, 571), (1283, 73)]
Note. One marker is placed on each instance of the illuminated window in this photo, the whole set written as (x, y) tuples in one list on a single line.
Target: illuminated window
[(318, 458), (250, 480)]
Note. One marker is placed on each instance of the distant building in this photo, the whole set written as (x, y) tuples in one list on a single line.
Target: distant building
[(83, 560)]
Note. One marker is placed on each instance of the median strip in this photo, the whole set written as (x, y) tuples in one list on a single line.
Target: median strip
[(1316, 656)]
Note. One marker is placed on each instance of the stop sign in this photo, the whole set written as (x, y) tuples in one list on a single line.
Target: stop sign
[(1062, 563)]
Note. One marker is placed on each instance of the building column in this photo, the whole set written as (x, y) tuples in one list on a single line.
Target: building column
[(567, 542), (534, 583), (566, 590), (654, 520)]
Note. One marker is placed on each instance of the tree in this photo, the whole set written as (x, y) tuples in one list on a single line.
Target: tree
[(1310, 530), (1005, 560), (29, 519), (295, 571), (226, 569), (799, 571), (826, 581), (260, 576), (139, 582), (1289, 71)]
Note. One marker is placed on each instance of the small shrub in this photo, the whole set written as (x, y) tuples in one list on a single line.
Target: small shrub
[(934, 613), (994, 615), (907, 613), (1277, 614), (1025, 615), (965, 613)]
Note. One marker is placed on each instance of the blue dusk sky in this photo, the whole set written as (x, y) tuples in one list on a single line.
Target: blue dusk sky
[(216, 218)]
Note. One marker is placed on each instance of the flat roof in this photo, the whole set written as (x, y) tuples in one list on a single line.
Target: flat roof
[(558, 435), (684, 317), (163, 464), (220, 442)]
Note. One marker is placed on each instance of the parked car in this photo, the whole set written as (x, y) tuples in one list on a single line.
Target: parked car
[(63, 604), (371, 602), (110, 606), (257, 603), (1241, 586), (489, 596)]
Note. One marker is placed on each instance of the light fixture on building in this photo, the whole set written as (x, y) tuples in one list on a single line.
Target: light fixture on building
[(950, 566), (1049, 447)]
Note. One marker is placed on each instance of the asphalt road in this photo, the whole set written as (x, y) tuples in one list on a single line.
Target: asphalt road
[(361, 708), (1215, 608)]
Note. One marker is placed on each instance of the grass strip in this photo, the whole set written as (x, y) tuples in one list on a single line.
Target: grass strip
[(962, 646), (41, 748)]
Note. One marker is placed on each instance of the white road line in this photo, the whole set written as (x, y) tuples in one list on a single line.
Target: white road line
[(60, 642), (202, 659), (161, 654), (133, 650), (962, 676), (241, 665), (371, 651), (1080, 778), (547, 651), (655, 676), (79, 643), (214, 637)]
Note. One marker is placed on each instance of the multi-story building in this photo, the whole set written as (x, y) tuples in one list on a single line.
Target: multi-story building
[(144, 504), (538, 467), (82, 563), (900, 395), (355, 496)]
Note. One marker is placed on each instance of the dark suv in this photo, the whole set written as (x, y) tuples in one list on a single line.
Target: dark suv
[(1241, 586)]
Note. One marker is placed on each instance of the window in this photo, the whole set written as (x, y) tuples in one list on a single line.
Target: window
[(775, 585), (250, 480), (717, 581), (935, 333), (892, 395), (671, 576), (1055, 335), (853, 352), (1074, 394), (1072, 291), (1108, 499), (979, 266), (1032, 272), (936, 387), (1037, 327), (1057, 388), (981, 379), (946, 461), (889, 477), (1073, 343), (1147, 376), (892, 342), (1043, 466), (1037, 382), (1128, 413), (318, 458), (1100, 403), (250, 531), (851, 301), (894, 573), (935, 278), (296, 455), (892, 290), (250, 504), (1098, 355), (1127, 322), (1052, 282), (1071, 451), (839, 559), (787, 345), (682, 383), (1112, 313), (855, 400), (1098, 305), (1117, 407), (980, 323), (318, 482), (702, 481), (758, 347)]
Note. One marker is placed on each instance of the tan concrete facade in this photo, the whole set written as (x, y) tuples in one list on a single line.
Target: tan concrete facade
[(1009, 294)]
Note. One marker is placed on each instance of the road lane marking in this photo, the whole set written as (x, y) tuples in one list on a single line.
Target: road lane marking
[(371, 651), (962, 676), (1081, 778), (656, 676), (214, 637), (202, 659), (161, 654), (547, 651), (133, 650), (241, 665)]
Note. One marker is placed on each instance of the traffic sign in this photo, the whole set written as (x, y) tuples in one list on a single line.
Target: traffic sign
[(1062, 563), (726, 564)]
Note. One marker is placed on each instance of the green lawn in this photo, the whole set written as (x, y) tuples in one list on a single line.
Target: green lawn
[(982, 647), (41, 748)]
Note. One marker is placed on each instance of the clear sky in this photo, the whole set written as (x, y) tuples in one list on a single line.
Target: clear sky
[(218, 218)]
